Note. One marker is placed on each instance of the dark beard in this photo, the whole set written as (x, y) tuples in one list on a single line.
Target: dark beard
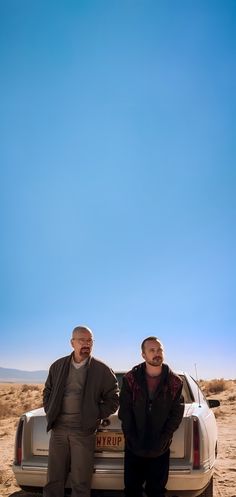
[(85, 352), (157, 361)]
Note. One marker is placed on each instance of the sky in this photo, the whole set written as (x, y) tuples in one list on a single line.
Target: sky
[(118, 181)]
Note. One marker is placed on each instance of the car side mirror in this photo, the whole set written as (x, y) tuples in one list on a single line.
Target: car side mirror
[(213, 403)]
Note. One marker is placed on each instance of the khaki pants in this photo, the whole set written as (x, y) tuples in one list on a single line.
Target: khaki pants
[(69, 451)]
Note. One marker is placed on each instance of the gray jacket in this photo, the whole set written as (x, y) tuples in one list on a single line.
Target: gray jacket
[(100, 394)]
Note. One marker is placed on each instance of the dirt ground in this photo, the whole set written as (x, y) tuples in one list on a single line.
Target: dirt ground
[(225, 470), (15, 399)]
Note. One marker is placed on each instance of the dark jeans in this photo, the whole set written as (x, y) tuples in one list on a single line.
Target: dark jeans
[(146, 473)]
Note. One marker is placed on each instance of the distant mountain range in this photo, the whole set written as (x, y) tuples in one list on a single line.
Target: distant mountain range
[(19, 376)]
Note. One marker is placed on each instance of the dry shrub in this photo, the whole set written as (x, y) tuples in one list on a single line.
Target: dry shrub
[(25, 398), (30, 388), (219, 413), (11, 391), (27, 407), (7, 411), (214, 386), (4, 410), (4, 434)]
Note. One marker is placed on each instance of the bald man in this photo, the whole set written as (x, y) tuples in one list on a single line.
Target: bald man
[(79, 392)]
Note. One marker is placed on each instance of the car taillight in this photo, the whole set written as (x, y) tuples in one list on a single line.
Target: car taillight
[(18, 445), (196, 444), (19, 455)]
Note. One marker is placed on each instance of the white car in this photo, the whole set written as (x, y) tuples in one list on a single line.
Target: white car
[(192, 454)]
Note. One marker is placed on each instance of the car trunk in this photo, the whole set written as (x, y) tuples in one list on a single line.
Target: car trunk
[(109, 438)]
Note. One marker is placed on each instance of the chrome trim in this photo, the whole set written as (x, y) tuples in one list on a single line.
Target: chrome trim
[(180, 471), (108, 472), (34, 468)]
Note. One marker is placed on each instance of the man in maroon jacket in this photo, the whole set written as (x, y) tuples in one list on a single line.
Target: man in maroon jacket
[(151, 409)]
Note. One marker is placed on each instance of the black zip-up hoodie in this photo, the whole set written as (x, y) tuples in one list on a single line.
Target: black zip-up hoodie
[(148, 426)]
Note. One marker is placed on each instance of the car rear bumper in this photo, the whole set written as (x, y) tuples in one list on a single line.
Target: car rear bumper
[(184, 482)]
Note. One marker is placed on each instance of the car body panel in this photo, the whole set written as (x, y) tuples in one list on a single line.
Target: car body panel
[(32, 441)]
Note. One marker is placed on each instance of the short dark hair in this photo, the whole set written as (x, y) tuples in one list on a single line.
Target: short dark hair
[(147, 340)]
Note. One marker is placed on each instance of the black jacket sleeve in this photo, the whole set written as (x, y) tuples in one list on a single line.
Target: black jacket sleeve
[(110, 395), (175, 415), (125, 412), (47, 391)]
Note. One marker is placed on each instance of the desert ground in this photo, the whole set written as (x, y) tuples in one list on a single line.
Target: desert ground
[(17, 398)]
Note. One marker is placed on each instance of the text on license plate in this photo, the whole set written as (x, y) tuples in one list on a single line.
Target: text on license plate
[(109, 441)]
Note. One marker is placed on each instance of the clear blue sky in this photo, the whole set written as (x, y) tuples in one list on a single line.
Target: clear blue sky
[(118, 180)]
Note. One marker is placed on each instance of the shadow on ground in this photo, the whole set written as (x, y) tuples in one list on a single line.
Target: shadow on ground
[(22, 493)]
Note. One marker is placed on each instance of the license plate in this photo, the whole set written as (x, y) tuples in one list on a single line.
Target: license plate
[(109, 440)]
